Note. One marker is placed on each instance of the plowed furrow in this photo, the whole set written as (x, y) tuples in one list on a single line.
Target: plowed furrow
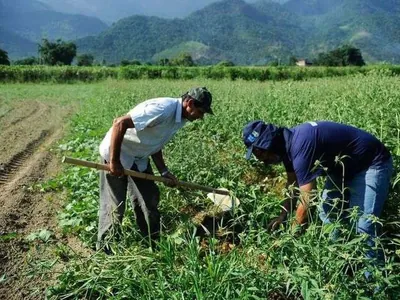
[(8, 169), (25, 116), (9, 110)]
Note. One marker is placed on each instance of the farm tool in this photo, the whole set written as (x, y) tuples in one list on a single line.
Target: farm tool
[(220, 197)]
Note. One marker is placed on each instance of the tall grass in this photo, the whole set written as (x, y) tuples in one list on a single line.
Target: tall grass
[(70, 74)]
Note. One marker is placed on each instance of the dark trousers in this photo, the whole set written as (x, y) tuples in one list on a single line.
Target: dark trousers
[(144, 195)]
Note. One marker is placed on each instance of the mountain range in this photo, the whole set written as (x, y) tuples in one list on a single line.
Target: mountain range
[(113, 10), (244, 32), (23, 23), (256, 33)]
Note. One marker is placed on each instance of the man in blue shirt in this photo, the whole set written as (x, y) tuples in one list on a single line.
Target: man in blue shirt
[(357, 165)]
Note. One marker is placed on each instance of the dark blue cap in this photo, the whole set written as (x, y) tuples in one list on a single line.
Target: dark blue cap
[(258, 134)]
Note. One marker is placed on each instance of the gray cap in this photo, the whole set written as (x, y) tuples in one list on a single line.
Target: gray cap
[(203, 97)]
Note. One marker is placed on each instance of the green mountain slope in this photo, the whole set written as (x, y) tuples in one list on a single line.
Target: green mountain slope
[(198, 51), (244, 33), (371, 25), (235, 30), (32, 20), (114, 10), (21, 6), (136, 37), (53, 25), (15, 45), (231, 29), (312, 7)]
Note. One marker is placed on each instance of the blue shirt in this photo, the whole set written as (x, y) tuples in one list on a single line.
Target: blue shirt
[(328, 142)]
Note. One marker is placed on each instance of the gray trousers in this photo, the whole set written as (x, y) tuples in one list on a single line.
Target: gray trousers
[(144, 195)]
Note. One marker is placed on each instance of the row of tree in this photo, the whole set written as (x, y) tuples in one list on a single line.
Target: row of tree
[(52, 54), (64, 53), (342, 56), (345, 55)]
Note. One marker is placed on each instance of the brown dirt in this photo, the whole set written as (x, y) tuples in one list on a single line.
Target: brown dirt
[(28, 132)]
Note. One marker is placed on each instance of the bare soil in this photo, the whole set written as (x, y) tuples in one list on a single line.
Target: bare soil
[(29, 131)]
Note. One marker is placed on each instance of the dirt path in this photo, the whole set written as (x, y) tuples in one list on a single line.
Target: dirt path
[(28, 131)]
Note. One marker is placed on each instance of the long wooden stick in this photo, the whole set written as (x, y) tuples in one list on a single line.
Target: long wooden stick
[(89, 164)]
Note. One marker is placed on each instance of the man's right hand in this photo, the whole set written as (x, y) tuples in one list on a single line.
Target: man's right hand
[(174, 181), (116, 168), (275, 223)]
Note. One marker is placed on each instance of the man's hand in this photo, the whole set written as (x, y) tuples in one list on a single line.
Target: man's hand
[(158, 160), (169, 175), (275, 223), (116, 168), (297, 229)]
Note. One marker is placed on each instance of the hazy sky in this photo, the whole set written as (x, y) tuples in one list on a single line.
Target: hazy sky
[(112, 10)]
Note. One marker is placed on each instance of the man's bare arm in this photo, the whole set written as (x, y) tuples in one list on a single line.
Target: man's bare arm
[(120, 125), (302, 209), (289, 204), (158, 160)]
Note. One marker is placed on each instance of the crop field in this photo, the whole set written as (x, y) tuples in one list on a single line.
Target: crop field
[(48, 222)]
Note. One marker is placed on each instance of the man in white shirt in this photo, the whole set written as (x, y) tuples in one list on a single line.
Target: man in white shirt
[(128, 144)]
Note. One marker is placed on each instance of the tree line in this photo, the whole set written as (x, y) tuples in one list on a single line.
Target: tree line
[(64, 53)]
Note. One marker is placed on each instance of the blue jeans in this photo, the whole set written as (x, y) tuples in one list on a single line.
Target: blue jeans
[(368, 190)]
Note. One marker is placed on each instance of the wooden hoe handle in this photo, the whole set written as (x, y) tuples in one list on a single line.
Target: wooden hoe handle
[(89, 164)]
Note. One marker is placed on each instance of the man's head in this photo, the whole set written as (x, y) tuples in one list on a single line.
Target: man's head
[(196, 102), (261, 140)]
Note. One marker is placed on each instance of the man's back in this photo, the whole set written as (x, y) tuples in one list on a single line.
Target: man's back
[(156, 121), (326, 142)]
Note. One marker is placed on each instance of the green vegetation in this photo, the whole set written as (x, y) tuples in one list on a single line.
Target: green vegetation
[(4, 58), (29, 61), (23, 24), (15, 45), (341, 57), (58, 53), (240, 260), (194, 49), (203, 254), (230, 30), (225, 63), (183, 59), (125, 63), (366, 24), (85, 60), (71, 74), (60, 74), (257, 33)]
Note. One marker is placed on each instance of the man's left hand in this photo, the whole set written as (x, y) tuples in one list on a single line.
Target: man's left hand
[(173, 180)]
